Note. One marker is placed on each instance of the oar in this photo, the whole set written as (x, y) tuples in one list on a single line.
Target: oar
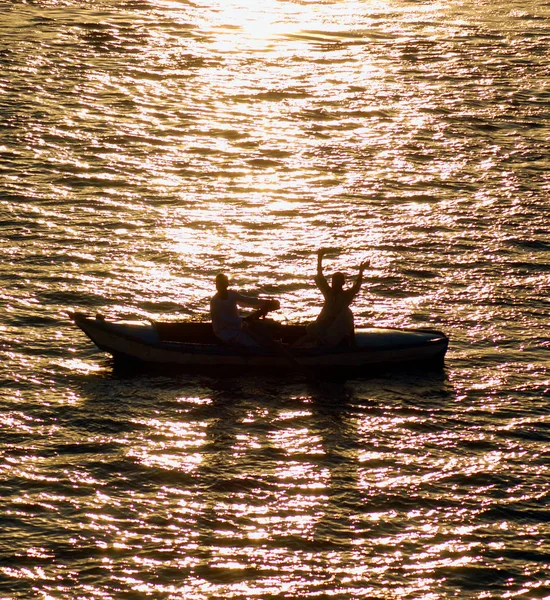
[(277, 346), (302, 369)]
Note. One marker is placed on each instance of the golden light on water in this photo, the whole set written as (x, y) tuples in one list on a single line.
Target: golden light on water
[(147, 147)]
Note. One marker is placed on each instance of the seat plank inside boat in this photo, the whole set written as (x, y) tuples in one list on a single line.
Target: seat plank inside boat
[(202, 333), (189, 332)]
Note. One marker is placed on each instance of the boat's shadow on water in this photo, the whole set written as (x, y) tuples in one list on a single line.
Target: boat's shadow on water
[(115, 383), (294, 457), (111, 402)]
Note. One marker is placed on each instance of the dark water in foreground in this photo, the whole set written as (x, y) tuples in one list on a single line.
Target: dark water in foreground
[(144, 147)]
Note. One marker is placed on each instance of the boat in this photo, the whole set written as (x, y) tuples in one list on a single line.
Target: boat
[(192, 346)]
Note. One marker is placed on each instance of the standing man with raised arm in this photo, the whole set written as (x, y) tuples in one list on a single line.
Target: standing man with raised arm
[(334, 325)]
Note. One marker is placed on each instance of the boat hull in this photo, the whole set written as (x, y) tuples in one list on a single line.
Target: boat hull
[(193, 349)]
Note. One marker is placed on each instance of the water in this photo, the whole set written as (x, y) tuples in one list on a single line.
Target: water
[(146, 146)]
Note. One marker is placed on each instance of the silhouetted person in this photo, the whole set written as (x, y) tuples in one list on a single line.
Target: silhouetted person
[(228, 325), (334, 325)]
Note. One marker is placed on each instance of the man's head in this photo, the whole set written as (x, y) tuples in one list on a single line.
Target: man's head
[(338, 280), (222, 283)]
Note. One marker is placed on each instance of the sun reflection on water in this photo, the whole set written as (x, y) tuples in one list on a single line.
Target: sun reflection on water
[(148, 147)]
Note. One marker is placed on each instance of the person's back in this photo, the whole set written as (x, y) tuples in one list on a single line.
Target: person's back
[(224, 313), (227, 324)]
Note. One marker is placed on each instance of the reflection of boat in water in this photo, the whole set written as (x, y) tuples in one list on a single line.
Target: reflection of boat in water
[(193, 346)]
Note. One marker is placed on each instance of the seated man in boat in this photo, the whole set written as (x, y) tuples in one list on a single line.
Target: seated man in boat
[(334, 325), (228, 325)]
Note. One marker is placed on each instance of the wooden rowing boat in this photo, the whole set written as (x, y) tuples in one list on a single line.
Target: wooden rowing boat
[(193, 346)]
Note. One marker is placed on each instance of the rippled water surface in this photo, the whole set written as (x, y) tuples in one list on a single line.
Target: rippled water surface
[(147, 145)]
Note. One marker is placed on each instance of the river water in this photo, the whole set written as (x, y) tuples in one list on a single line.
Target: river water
[(146, 146)]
